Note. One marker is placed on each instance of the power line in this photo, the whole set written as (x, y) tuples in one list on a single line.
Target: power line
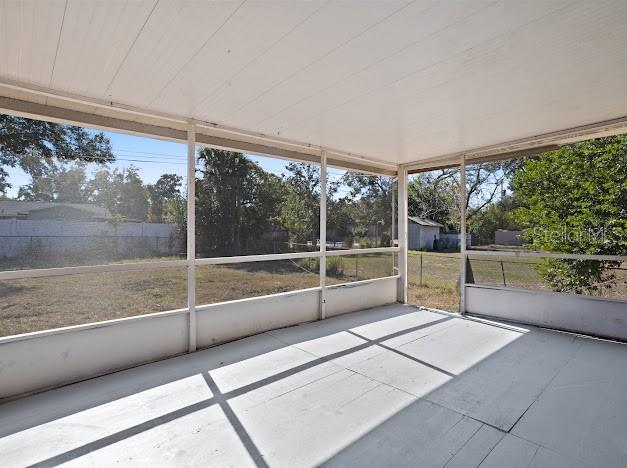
[(148, 152), (176, 158)]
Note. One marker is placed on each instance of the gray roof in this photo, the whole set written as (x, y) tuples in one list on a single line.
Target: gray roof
[(10, 208), (424, 221)]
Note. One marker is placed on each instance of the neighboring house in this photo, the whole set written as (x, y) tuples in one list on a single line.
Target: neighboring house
[(506, 237), (421, 232), (36, 210)]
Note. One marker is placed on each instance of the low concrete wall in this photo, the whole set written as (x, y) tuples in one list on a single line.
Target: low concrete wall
[(227, 321), (582, 314), (344, 298), (40, 360)]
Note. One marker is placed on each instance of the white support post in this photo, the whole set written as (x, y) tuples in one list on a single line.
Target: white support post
[(393, 229), (323, 235), (462, 238), (191, 234), (402, 236)]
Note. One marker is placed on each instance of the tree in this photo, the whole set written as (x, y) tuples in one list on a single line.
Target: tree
[(496, 215), (121, 191), (300, 208), (435, 196), (37, 146), (295, 216), (371, 204), (166, 189), (575, 201), (485, 182), (236, 201), (133, 202), (62, 183)]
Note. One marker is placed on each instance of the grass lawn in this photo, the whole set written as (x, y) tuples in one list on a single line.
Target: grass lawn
[(432, 280), (33, 304), (437, 286)]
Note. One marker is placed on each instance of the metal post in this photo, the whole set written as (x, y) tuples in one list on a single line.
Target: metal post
[(402, 236), (191, 234), (503, 273), (323, 236), (462, 238), (421, 270)]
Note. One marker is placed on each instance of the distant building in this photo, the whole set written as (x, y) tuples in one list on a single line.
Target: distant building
[(421, 232), (506, 237), (37, 210), (451, 240)]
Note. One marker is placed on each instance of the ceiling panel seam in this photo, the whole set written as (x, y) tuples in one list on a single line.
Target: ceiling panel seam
[(391, 83), (241, 70), (115, 75), (423, 39), (195, 54), (339, 46), (56, 52)]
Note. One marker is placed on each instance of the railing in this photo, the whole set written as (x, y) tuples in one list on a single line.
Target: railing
[(150, 265), (523, 270), (434, 277), (531, 288), (421, 266)]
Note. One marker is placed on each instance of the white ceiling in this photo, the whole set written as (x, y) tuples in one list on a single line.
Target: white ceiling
[(392, 80)]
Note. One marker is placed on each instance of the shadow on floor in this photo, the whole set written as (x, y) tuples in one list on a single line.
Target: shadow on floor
[(460, 388), (34, 410)]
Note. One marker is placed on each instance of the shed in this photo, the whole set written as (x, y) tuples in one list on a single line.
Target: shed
[(421, 232)]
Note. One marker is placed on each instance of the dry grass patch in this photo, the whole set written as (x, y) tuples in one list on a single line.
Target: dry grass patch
[(34, 304)]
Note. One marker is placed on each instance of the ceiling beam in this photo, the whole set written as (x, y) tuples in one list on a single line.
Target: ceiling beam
[(20, 99), (522, 147)]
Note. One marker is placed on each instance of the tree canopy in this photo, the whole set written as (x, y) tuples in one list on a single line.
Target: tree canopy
[(299, 211), (164, 194), (235, 201), (37, 147), (574, 200)]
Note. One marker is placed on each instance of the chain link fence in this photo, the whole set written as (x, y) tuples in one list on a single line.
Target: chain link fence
[(527, 274), (433, 280)]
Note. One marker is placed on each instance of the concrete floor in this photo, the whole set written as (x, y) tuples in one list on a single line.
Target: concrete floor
[(392, 386)]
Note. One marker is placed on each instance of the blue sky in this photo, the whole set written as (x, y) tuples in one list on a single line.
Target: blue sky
[(156, 157), (151, 156)]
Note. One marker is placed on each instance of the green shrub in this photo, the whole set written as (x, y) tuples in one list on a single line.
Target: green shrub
[(309, 264), (335, 266)]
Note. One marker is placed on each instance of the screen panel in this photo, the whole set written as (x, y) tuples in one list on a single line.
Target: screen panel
[(35, 304), (229, 282), (251, 205), (75, 196)]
